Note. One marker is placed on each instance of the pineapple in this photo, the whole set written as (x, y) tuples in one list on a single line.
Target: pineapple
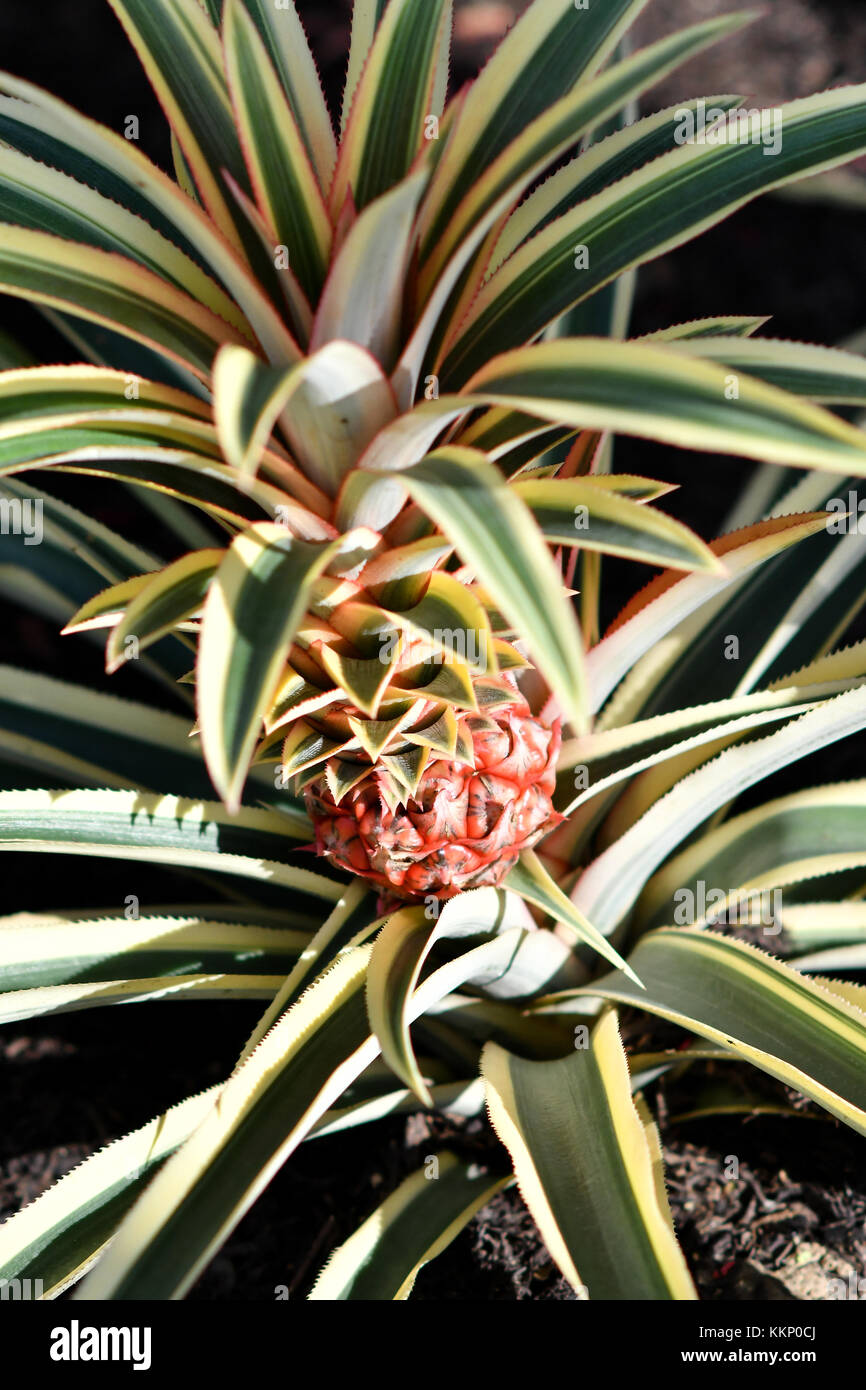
[(388, 623), (464, 822), (444, 774), (347, 383), (368, 376)]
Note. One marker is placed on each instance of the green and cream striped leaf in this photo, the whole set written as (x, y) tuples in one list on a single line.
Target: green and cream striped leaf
[(802, 611), (101, 551), (93, 342), (363, 299), (147, 828), (286, 187), (817, 928), (382, 1259), (44, 1000), (182, 171), (496, 535), (248, 397), (275, 271), (449, 620), (807, 834), (609, 888), (330, 406), (650, 211), (193, 478), (851, 956), (661, 742), (349, 924), (654, 391), (399, 953), (286, 41), (57, 1237), (38, 951), (180, 52), (716, 326), (366, 17), (266, 1109), (532, 882), (213, 10), (169, 598), (793, 1028), (548, 50), (399, 577), (38, 397), (272, 1102), (785, 613), (442, 77), (432, 323), (609, 750), (558, 129), (658, 392), (247, 400), (237, 909), (845, 669), (830, 597), (395, 89), (819, 373), (607, 315), (107, 607), (47, 410), (669, 602), (588, 1165), (847, 990), (603, 163), (110, 289), (255, 603), (81, 736), (35, 438), (36, 197), (47, 129), (575, 511)]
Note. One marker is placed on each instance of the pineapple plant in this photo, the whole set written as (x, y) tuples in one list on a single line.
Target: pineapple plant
[(370, 380)]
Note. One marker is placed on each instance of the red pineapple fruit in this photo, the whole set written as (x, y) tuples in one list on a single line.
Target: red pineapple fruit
[(467, 821)]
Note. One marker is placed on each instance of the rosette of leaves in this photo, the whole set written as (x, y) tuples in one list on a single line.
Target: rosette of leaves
[(369, 380)]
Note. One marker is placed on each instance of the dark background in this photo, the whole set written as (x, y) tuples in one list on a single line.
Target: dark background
[(69, 1085)]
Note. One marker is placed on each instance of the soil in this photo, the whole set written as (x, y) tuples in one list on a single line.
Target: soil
[(766, 1206)]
